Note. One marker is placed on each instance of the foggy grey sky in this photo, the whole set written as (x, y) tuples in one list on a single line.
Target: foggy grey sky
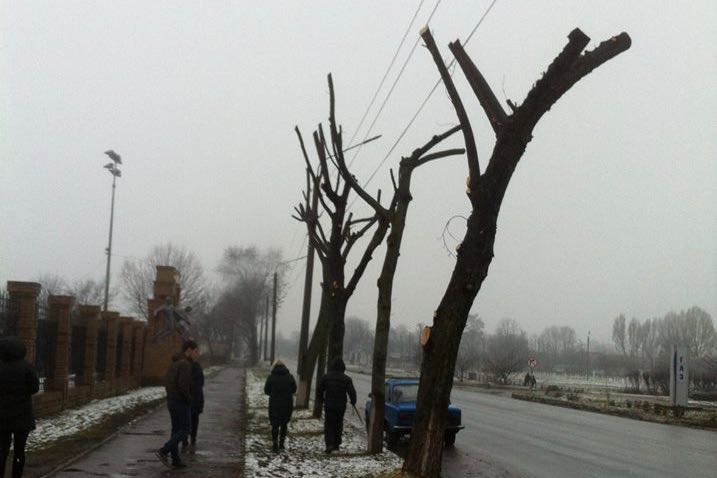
[(612, 209)]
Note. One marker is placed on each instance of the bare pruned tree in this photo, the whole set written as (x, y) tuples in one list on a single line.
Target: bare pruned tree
[(506, 350), (395, 217), (138, 277), (248, 273), (334, 232), (485, 190)]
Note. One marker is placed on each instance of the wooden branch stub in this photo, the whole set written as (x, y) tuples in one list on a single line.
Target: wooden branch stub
[(471, 150), (486, 97), (426, 337)]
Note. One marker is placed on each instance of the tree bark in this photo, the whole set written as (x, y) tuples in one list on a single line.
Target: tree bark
[(476, 251)]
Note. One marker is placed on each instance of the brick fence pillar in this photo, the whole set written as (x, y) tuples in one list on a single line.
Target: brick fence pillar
[(112, 321), (59, 311), (139, 331), (89, 315), (126, 325), (24, 294)]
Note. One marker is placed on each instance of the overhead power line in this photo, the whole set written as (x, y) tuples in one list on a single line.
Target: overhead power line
[(423, 104), (385, 75), (395, 82)]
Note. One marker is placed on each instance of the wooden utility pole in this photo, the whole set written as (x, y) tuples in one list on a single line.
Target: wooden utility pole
[(273, 322), (308, 284), (261, 335), (266, 327)]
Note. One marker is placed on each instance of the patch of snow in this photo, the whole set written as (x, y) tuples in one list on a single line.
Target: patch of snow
[(304, 455), (75, 420)]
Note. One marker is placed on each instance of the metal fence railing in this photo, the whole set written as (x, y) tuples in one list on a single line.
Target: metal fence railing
[(45, 345), (118, 363), (101, 363), (132, 352), (8, 315), (78, 334)]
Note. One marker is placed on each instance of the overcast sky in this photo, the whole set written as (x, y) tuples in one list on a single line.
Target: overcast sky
[(612, 209)]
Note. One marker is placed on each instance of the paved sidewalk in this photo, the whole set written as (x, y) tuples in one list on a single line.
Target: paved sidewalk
[(219, 446)]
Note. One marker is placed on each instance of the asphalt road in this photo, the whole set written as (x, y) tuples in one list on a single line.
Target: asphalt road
[(507, 437)]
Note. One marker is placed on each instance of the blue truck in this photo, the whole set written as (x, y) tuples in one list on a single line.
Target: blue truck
[(400, 412)]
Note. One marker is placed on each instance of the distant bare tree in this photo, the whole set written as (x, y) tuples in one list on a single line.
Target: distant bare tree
[(90, 291), (137, 277), (472, 346), (358, 337), (248, 273), (51, 284), (334, 232), (633, 338), (506, 350), (618, 334)]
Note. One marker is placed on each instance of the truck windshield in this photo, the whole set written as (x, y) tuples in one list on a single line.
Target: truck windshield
[(405, 393)]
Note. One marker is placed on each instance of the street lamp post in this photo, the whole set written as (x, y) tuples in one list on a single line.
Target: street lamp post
[(114, 170)]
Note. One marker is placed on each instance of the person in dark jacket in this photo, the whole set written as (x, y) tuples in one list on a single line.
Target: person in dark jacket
[(178, 384), (18, 382), (197, 402), (332, 390), (280, 386)]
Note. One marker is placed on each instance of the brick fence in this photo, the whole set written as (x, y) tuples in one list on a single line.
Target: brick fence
[(83, 353)]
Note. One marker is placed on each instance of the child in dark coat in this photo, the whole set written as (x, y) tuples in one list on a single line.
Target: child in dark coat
[(280, 386)]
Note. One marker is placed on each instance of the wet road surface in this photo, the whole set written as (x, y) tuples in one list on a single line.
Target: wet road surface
[(507, 437)]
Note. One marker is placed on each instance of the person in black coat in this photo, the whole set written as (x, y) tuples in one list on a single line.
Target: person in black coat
[(18, 382), (280, 386), (332, 390), (197, 401)]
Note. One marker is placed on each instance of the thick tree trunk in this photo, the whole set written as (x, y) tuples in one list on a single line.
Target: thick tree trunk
[(383, 311), (486, 193), (439, 358), (332, 308), (320, 372)]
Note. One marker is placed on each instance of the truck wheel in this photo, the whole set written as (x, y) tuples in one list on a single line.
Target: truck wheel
[(392, 438), (450, 438)]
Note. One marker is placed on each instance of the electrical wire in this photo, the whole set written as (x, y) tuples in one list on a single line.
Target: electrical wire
[(385, 75), (423, 104), (395, 82)]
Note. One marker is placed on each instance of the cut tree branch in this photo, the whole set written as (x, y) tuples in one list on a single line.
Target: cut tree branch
[(471, 151), (496, 115)]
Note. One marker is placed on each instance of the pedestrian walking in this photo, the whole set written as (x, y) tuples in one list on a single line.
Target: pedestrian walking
[(280, 386), (332, 391), (197, 402), (178, 384), (18, 382)]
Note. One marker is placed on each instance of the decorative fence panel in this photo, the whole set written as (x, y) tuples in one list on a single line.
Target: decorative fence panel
[(77, 346), (118, 363), (132, 352), (8, 315), (45, 345), (101, 365)]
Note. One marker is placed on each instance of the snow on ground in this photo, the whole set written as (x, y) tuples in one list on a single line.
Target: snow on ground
[(304, 455), (75, 420)]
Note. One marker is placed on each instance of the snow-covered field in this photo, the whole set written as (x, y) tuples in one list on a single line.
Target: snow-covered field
[(304, 455)]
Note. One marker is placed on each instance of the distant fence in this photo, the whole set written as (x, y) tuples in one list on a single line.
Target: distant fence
[(45, 346), (8, 315)]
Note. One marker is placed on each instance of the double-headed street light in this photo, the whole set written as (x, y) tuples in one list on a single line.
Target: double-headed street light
[(114, 170)]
